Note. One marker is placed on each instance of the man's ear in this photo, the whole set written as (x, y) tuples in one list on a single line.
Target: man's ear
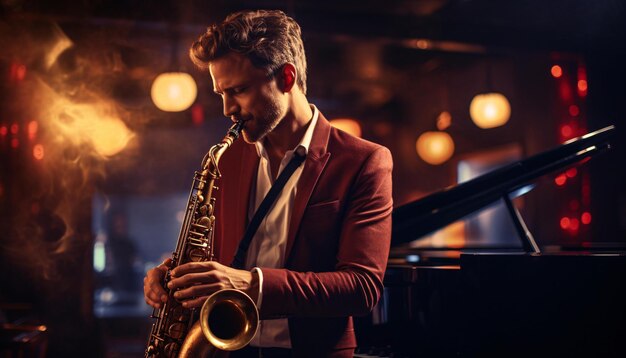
[(288, 76)]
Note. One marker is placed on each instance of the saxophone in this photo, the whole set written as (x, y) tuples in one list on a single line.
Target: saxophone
[(229, 318)]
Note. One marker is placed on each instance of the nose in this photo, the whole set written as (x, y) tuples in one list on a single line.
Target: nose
[(231, 107)]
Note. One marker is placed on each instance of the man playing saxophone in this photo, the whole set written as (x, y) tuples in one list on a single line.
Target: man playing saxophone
[(319, 254)]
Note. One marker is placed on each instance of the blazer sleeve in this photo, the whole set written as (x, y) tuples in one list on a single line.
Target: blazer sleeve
[(355, 285)]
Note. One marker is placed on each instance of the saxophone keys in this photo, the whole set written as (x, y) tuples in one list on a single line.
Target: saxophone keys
[(176, 330), (197, 255), (179, 314), (204, 221), (171, 350)]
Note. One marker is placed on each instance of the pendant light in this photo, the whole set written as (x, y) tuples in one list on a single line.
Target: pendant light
[(491, 109), (436, 147), (174, 91)]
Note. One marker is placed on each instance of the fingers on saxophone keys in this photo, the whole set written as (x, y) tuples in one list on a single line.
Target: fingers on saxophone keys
[(194, 267), (195, 302), (188, 295), (191, 279)]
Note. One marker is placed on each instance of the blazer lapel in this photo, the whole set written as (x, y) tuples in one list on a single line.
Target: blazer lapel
[(313, 166), (237, 215)]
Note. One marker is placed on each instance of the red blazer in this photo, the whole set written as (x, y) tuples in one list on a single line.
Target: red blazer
[(338, 240)]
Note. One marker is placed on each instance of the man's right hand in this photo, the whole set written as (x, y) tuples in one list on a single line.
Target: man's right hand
[(153, 291)]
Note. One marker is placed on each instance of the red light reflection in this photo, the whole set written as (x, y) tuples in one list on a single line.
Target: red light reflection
[(560, 180), (571, 172), (197, 114), (38, 152), (556, 71), (564, 223), (585, 218), (18, 72), (566, 131), (32, 129), (574, 110)]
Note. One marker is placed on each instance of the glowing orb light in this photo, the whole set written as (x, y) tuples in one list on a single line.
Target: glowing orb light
[(174, 91), (489, 110), (435, 147)]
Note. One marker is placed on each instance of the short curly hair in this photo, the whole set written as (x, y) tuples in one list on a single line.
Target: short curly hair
[(269, 38)]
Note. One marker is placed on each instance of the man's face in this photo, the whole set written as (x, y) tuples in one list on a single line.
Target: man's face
[(248, 94)]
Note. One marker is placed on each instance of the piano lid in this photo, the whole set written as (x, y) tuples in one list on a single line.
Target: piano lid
[(423, 216)]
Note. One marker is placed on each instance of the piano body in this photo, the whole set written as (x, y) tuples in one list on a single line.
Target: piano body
[(482, 301)]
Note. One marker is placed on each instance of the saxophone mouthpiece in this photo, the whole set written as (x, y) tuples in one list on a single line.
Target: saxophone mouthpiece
[(235, 129)]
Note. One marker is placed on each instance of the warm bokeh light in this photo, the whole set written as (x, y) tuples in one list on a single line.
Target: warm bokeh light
[(38, 151), (585, 218), (564, 223), (15, 143), (566, 131), (571, 172), (574, 110), (489, 110), (422, 44), (4, 130), (444, 120), (197, 114), (348, 125), (32, 129), (556, 71), (15, 128), (582, 85), (18, 72), (560, 180), (174, 91), (574, 224), (435, 147)]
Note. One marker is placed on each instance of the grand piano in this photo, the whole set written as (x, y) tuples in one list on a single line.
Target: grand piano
[(518, 300)]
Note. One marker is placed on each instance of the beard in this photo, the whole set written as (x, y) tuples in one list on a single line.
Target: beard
[(259, 126)]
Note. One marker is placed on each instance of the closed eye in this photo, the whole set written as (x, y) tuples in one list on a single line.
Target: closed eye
[(231, 91)]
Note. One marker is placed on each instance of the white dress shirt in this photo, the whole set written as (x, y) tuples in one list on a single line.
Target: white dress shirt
[(267, 248)]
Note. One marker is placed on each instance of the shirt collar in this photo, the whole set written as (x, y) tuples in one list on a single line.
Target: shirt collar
[(303, 147)]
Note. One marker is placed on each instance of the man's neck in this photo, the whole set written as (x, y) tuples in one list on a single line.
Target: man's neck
[(289, 131)]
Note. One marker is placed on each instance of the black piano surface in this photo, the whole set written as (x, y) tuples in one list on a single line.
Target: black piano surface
[(482, 301)]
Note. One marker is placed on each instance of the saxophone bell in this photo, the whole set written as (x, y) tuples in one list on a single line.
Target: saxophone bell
[(228, 321)]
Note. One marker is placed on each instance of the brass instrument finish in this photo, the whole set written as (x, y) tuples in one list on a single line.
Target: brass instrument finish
[(228, 318)]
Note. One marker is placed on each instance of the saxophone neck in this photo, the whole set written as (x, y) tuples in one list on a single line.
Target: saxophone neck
[(214, 154)]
